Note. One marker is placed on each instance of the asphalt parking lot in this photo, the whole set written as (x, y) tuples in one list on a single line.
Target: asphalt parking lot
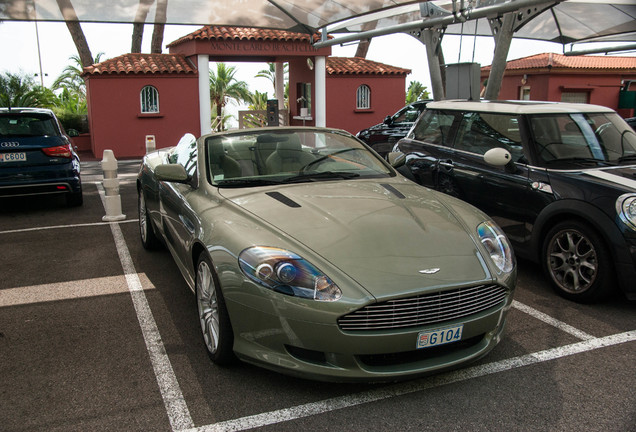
[(98, 334)]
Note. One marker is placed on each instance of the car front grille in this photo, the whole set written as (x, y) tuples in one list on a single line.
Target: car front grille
[(424, 309)]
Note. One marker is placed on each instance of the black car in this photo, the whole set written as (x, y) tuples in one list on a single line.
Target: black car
[(560, 179), (36, 156), (382, 137)]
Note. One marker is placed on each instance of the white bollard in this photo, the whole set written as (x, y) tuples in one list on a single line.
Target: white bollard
[(112, 199)]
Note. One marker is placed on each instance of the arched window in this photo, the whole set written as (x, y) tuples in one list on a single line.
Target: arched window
[(363, 97), (149, 100)]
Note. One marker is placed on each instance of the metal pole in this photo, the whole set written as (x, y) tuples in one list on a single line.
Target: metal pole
[(468, 14)]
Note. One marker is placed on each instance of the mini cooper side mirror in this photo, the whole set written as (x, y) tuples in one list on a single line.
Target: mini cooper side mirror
[(498, 157), (388, 120), (171, 173)]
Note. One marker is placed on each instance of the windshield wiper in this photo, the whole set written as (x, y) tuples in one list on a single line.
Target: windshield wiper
[(243, 182), (324, 175)]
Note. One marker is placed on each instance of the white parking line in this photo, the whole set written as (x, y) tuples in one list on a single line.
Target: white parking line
[(327, 405), (173, 399), (552, 321), (63, 226)]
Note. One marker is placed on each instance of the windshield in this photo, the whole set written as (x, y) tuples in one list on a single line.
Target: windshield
[(289, 156), (594, 138), (26, 125)]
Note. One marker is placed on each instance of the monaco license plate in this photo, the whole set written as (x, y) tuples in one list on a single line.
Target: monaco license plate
[(439, 337), (13, 157)]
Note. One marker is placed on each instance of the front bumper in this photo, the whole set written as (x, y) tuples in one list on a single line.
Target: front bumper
[(324, 352)]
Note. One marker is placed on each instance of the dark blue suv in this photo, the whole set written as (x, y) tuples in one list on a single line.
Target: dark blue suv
[(559, 179), (36, 156)]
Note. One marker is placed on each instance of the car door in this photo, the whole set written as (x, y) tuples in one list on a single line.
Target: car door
[(179, 221), (428, 148), (502, 192)]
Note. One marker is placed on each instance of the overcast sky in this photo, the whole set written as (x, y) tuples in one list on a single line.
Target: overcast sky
[(19, 50)]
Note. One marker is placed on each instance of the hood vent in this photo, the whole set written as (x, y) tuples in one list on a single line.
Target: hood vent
[(282, 198), (393, 190)]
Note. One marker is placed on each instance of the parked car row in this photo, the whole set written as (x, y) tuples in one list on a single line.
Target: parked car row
[(560, 179)]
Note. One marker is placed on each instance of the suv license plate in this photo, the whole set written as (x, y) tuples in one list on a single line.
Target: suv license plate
[(13, 157), (439, 336)]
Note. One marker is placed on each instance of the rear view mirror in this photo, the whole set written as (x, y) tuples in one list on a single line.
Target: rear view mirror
[(171, 173), (388, 120), (396, 159), (498, 157)]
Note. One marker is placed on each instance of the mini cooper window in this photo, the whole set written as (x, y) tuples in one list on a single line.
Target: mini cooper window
[(585, 137), (256, 159), (434, 127), (480, 132)]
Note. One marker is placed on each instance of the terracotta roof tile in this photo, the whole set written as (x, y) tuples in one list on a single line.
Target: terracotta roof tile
[(131, 64), (241, 33), (361, 66), (560, 61)]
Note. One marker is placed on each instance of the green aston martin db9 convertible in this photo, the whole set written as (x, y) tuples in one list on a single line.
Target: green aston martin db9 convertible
[(308, 254)]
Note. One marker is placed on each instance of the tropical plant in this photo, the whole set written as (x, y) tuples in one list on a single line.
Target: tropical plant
[(21, 90), (416, 91), (270, 73), (223, 88), (71, 77), (257, 101)]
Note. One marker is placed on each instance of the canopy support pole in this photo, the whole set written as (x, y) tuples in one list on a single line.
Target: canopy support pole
[(502, 31), (205, 110)]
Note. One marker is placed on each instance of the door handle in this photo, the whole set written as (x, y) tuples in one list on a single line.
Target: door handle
[(446, 164)]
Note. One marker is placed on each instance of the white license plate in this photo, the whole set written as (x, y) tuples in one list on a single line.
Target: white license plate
[(439, 337), (13, 157)]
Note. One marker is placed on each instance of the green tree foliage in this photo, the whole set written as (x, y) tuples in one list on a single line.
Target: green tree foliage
[(416, 91), (223, 88), (258, 101), (71, 77), (21, 90)]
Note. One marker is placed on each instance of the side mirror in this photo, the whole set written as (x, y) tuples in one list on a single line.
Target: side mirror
[(396, 159), (388, 120), (171, 173), (498, 157)]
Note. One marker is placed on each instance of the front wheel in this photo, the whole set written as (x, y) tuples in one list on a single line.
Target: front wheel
[(577, 262), (213, 316), (149, 239)]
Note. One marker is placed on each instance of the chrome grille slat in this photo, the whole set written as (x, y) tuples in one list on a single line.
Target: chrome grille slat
[(424, 309)]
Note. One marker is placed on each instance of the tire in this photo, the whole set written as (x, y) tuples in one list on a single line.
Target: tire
[(149, 239), (216, 328), (577, 262)]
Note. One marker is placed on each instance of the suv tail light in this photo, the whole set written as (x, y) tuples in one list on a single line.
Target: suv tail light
[(63, 151)]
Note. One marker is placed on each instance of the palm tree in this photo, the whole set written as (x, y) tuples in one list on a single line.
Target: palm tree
[(416, 91), (71, 77), (258, 101), (223, 88), (270, 73), (22, 91)]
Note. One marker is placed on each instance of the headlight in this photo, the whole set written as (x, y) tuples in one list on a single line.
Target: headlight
[(287, 273), (626, 209), (497, 246)]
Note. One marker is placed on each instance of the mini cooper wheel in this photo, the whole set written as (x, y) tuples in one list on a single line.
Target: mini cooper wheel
[(149, 239), (213, 317), (577, 262)]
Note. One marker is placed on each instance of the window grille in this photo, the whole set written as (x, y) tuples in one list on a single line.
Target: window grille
[(363, 97), (149, 100)]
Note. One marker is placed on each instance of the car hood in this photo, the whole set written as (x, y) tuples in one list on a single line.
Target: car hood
[(391, 237)]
